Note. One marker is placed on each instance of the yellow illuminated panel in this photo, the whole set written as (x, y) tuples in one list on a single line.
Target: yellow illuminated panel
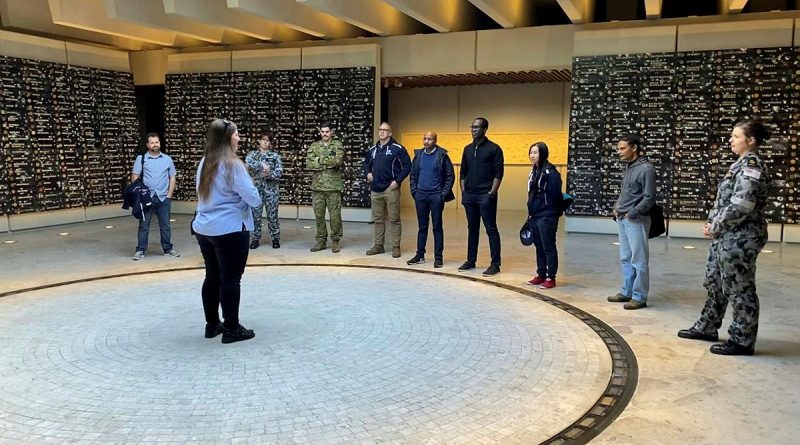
[(514, 145)]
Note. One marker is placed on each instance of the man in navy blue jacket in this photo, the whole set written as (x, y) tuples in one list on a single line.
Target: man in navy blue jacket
[(432, 179), (386, 165)]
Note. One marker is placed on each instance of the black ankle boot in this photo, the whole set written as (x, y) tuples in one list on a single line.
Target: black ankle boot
[(254, 244), (213, 330), (238, 334), (276, 244), (693, 334), (731, 348)]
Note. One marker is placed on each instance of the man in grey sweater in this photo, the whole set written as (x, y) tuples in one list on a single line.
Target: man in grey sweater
[(631, 212)]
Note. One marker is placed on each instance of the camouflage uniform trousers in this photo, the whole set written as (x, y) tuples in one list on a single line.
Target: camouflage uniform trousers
[(731, 275), (332, 201), (270, 194)]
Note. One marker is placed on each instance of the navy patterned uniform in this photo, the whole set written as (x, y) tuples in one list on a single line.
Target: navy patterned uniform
[(739, 232), (268, 186)]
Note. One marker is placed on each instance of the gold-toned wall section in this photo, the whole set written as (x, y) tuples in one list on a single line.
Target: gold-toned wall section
[(515, 145)]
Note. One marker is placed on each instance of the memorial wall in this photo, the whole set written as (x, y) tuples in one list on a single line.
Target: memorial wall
[(290, 103), (683, 106), (68, 135)]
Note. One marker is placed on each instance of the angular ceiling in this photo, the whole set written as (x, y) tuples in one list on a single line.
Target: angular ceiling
[(152, 24)]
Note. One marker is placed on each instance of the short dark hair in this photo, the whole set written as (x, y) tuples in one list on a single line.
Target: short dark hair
[(270, 135), (754, 128), (484, 120), (632, 140), (152, 135), (326, 125)]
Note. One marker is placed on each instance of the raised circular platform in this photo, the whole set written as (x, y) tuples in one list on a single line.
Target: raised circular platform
[(341, 355)]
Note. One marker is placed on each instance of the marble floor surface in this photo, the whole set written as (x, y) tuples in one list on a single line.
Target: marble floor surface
[(684, 394)]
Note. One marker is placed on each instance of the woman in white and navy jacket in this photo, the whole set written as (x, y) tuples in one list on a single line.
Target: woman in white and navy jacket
[(545, 203)]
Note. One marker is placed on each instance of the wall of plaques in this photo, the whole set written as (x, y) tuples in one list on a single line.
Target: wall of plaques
[(683, 106), (291, 103), (68, 135)]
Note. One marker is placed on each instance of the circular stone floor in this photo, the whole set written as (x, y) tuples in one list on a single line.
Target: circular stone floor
[(341, 355)]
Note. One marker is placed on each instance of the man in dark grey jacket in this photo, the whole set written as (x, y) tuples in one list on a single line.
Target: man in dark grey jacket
[(636, 198)]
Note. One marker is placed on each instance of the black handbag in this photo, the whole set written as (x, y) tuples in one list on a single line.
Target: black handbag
[(657, 226)]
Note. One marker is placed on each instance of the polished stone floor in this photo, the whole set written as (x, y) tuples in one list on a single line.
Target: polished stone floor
[(118, 356)]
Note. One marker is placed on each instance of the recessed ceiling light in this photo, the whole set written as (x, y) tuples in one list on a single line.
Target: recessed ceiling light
[(306, 227), (172, 220), (63, 233), (616, 243), (767, 251), (689, 247), (109, 226), (9, 241)]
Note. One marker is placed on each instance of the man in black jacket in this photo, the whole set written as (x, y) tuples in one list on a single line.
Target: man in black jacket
[(386, 165), (481, 173), (432, 179)]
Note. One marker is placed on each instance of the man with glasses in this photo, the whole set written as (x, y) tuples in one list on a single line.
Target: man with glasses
[(324, 158), (386, 165), (481, 173), (158, 174)]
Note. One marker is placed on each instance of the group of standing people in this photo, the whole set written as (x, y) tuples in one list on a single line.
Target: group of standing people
[(232, 195), (386, 165)]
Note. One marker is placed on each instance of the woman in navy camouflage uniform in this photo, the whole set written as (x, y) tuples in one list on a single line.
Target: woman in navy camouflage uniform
[(266, 169), (738, 229)]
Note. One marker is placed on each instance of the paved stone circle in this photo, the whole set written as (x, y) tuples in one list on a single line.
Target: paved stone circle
[(341, 355)]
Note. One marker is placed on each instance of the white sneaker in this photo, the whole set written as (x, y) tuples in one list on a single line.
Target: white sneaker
[(172, 253), (138, 255)]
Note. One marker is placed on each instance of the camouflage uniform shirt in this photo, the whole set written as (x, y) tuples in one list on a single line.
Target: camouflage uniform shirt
[(325, 161), (254, 162), (741, 198)]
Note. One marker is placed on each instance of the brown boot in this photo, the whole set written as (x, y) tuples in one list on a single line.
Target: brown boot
[(319, 246), (335, 247), (395, 252), (374, 250)]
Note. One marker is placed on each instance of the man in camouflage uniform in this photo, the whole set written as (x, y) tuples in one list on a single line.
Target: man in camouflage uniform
[(266, 169), (738, 229), (324, 158)]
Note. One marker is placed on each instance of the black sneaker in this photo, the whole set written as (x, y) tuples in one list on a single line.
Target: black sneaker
[(438, 263), (254, 244), (276, 244), (468, 265), (491, 271), (418, 259), (213, 330), (238, 334)]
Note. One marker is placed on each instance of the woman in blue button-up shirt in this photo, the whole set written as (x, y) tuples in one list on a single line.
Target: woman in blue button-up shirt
[(226, 196)]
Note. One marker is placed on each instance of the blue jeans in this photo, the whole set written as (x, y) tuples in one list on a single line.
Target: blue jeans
[(634, 254), (162, 210), (429, 208)]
